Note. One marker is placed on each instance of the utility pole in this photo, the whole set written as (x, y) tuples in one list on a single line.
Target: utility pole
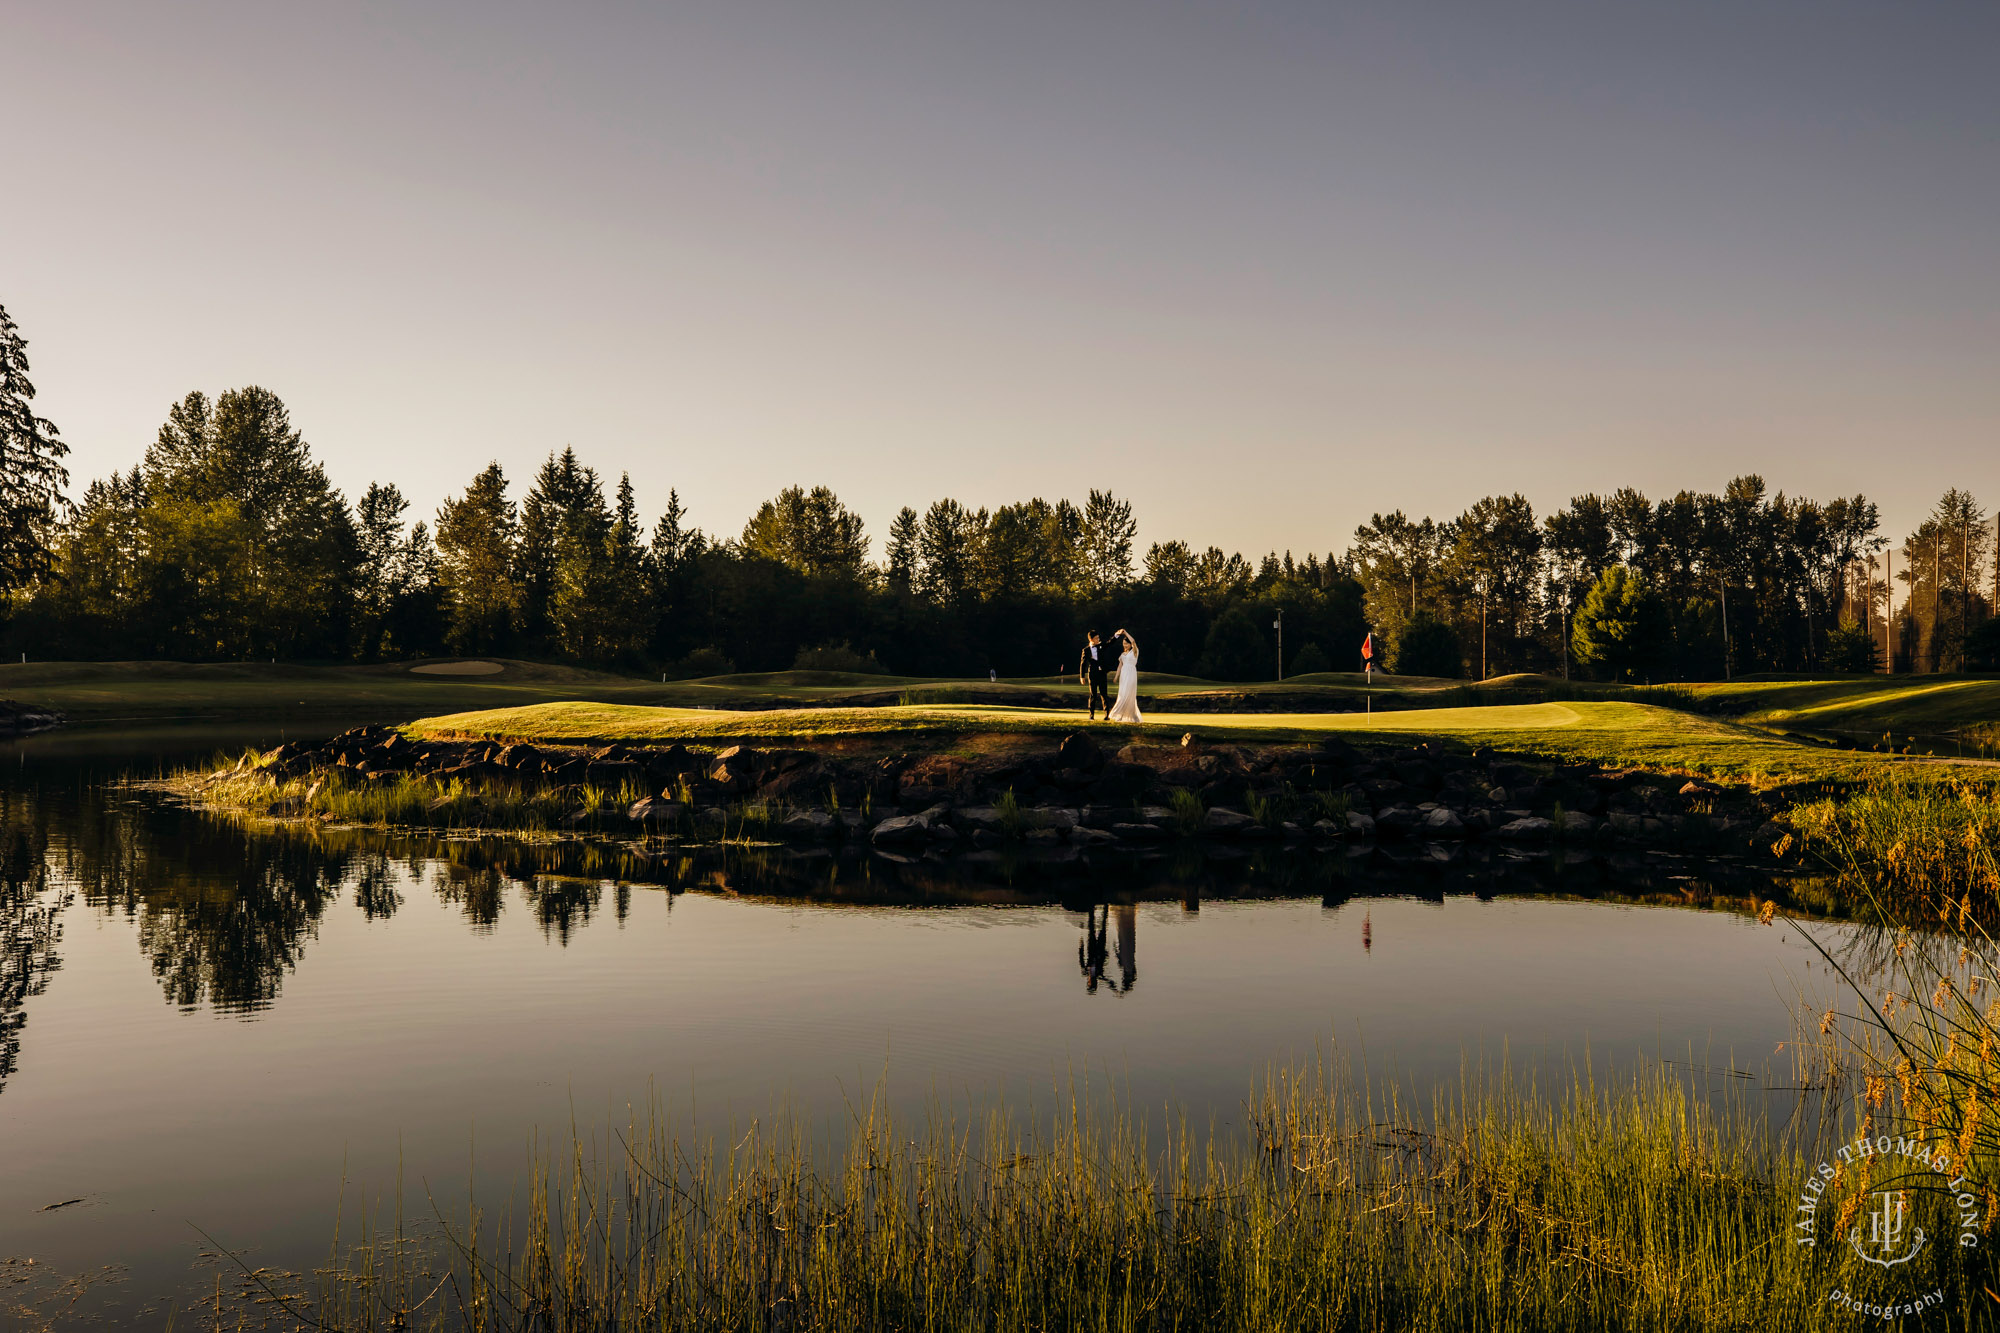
[(1964, 585), (1888, 611), (1565, 633), (1719, 583), (1937, 593), (1484, 585), (1279, 625)]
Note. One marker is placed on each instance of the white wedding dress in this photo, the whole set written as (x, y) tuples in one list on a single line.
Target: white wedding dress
[(1126, 709)]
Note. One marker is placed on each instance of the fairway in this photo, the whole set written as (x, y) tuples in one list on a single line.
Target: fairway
[(1613, 734)]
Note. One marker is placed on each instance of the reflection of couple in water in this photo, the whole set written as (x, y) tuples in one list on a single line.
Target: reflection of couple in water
[(1091, 952)]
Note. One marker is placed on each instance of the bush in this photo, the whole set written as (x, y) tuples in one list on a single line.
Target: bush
[(838, 657), (1428, 647), (1235, 649), (1982, 648), (701, 662), (1851, 648), (1309, 660)]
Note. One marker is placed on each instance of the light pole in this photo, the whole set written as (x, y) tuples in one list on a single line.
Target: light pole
[(1565, 630), (1279, 625), (1724, 589)]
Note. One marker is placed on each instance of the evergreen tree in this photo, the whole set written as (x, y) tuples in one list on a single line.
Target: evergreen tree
[(383, 568), (477, 560), (904, 540), (949, 552), (1108, 531), (1620, 630), (32, 475), (809, 531)]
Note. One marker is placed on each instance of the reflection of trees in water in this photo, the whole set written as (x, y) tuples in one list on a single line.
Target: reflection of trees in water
[(474, 889), (375, 891), (225, 909), (561, 905), (31, 910)]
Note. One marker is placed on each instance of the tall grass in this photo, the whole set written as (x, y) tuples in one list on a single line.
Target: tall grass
[(1922, 847), (1637, 1207)]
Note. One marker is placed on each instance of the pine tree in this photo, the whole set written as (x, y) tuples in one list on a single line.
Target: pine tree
[(904, 540), (32, 475), (1108, 532), (476, 564)]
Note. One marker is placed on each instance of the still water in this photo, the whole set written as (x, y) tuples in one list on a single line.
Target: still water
[(205, 1031)]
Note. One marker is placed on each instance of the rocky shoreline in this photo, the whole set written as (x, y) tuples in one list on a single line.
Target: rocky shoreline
[(18, 719), (1076, 794)]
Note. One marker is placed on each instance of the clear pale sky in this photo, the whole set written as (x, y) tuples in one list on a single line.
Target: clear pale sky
[(1262, 268)]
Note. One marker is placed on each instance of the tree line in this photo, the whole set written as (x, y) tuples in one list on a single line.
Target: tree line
[(227, 541)]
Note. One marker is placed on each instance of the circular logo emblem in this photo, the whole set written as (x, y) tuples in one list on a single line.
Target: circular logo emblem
[(1866, 1200)]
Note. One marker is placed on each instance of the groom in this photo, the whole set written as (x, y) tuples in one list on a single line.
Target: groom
[(1093, 670)]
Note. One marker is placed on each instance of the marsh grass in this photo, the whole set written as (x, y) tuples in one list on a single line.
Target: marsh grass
[(1008, 809), (1188, 809), (1641, 1206), (412, 800), (1922, 847)]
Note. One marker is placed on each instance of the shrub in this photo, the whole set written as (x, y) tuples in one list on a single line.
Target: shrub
[(702, 662), (1310, 660), (1235, 649), (838, 657), (1851, 648), (1428, 647)]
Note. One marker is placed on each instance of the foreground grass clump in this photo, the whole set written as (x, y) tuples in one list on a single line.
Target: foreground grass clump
[(412, 800), (1921, 844), (1633, 1209)]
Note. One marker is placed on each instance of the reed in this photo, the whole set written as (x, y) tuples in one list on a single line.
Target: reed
[(1922, 847), (1635, 1207)]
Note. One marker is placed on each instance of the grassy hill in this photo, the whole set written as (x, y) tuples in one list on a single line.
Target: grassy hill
[(1949, 713), (1612, 733)]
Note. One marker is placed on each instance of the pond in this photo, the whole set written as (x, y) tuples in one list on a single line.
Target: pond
[(217, 1037)]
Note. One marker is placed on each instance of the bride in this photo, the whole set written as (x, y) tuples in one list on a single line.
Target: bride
[(1126, 709)]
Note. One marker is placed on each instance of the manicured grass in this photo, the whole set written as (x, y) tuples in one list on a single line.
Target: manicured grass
[(1861, 705), (165, 691), (1610, 733)]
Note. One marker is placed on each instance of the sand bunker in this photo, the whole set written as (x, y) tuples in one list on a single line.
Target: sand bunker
[(458, 669)]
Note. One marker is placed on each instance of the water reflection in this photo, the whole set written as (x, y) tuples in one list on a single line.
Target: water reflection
[(226, 912), (31, 911), (1092, 951)]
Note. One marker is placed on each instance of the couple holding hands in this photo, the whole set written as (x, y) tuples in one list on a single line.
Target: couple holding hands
[(1094, 668)]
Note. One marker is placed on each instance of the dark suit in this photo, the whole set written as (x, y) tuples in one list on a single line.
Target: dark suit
[(1094, 670)]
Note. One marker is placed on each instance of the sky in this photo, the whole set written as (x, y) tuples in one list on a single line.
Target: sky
[(1263, 269)]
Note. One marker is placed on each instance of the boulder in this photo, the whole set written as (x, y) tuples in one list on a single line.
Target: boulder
[(1226, 823), (1440, 823), (1396, 821), (1360, 825), (1132, 832), (1094, 837), (906, 828), (1530, 829), (613, 774), (652, 810), (1079, 751), (737, 768), (667, 764), (1576, 824)]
